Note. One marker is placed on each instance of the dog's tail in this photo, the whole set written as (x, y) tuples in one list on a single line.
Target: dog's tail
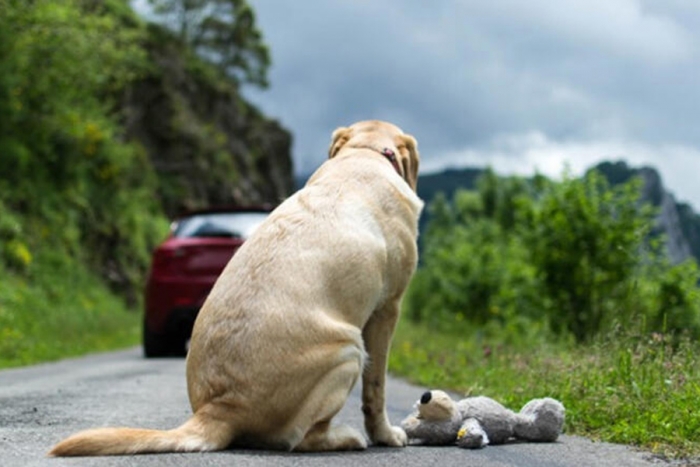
[(200, 433)]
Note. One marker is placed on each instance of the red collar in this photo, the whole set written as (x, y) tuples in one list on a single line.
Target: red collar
[(391, 157)]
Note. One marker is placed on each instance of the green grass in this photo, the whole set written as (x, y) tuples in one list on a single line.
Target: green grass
[(59, 309), (631, 389)]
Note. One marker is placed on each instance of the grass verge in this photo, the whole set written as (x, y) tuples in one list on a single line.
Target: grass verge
[(57, 310), (632, 389)]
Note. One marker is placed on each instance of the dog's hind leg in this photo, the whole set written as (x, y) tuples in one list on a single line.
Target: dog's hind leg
[(324, 402)]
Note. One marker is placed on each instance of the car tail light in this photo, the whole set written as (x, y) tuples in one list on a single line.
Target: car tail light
[(165, 260), (196, 258)]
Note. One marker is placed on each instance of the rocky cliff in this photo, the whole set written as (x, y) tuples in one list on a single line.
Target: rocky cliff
[(208, 145), (676, 221)]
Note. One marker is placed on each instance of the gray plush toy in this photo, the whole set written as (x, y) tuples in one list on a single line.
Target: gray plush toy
[(475, 422)]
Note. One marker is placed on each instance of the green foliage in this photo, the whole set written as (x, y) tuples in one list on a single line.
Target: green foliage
[(672, 297), (221, 31), (13, 251), (58, 308), (81, 204), (573, 256), (64, 169), (587, 241), (624, 387), (76, 204), (472, 272)]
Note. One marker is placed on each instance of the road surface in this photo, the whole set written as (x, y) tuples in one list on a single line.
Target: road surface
[(40, 405)]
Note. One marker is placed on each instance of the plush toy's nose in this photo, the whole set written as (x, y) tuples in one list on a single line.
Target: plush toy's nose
[(425, 398)]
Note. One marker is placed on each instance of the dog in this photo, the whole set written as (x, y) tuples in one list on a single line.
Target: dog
[(306, 306)]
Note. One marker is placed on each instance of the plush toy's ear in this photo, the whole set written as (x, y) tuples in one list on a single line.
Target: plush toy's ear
[(338, 139), (436, 406)]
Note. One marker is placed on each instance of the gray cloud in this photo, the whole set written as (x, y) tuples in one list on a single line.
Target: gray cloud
[(464, 76)]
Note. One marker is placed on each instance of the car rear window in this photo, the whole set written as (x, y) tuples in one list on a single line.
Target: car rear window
[(227, 225)]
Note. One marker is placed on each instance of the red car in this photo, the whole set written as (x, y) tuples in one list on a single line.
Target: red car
[(184, 269)]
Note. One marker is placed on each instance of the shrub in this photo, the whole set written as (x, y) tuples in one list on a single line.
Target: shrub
[(574, 255)]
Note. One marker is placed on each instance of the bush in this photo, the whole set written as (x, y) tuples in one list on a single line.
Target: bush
[(472, 272), (13, 251), (575, 256)]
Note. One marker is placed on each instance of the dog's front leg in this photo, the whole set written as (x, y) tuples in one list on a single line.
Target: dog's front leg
[(377, 337)]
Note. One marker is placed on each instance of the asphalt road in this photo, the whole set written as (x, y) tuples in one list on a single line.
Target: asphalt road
[(40, 405)]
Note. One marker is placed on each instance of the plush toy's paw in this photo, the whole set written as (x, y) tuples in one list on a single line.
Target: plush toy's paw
[(471, 435), (540, 420), (393, 436)]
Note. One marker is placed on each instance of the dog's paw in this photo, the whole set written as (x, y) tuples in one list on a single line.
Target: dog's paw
[(393, 436)]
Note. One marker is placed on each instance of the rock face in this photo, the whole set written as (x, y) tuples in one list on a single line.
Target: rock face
[(676, 221), (208, 145), (670, 223), (668, 218)]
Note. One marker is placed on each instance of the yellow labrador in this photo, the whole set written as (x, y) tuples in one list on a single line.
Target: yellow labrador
[(306, 306)]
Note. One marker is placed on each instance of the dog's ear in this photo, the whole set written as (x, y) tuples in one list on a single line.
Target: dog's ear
[(338, 139), (410, 160)]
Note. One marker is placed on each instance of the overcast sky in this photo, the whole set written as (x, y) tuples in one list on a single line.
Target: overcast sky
[(518, 85)]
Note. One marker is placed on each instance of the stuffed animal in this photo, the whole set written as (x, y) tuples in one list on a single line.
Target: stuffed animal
[(475, 422)]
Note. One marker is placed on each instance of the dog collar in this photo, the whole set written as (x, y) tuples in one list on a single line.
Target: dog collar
[(391, 157)]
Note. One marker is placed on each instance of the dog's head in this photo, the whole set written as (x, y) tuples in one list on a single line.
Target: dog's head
[(380, 137)]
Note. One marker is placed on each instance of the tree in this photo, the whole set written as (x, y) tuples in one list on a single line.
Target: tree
[(221, 31), (588, 241), (575, 255), (473, 268)]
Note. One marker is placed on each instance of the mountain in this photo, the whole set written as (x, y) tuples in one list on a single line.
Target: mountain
[(447, 182), (677, 221)]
